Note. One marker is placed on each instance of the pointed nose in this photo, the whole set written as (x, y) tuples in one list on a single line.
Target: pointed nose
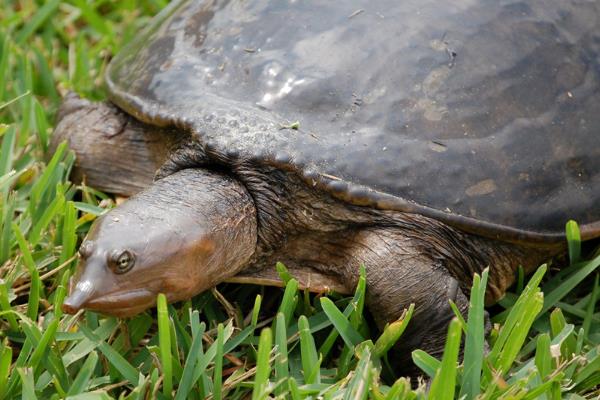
[(78, 298), (70, 307)]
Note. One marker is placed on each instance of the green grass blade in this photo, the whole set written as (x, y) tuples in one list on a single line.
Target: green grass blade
[(7, 214), (14, 100), (28, 387), (574, 241), (353, 311), (55, 207), (90, 15), (212, 351), (294, 390), (177, 368), (281, 361), (289, 301), (518, 335), (218, 369), (44, 354), (358, 387), (425, 362), (358, 301), (13, 380), (475, 339), (351, 337), (37, 20), (42, 345), (537, 392), (543, 358), (522, 372), (345, 362), (555, 295), (164, 336), (6, 308), (235, 341), (263, 367), (392, 333), (89, 343), (328, 344), (45, 84), (593, 367), (23, 246), (5, 362), (82, 380), (43, 183), (125, 369), (517, 313), (283, 273), (256, 310), (444, 382), (187, 378), (91, 396), (4, 58), (41, 124), (557, 325), (308, 351), (69, 235), (33, 302), (7, 150), (458, 315), (399, 390), (140, 391), (89, 208), (25, 85), (591, 307)]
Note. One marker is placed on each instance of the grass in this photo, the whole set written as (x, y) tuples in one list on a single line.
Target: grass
[(544, 342)]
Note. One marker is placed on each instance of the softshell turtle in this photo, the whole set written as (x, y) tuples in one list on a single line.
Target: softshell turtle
[(424, 139)]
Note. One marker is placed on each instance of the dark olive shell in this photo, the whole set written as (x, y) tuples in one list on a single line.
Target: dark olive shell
[(484, 114)]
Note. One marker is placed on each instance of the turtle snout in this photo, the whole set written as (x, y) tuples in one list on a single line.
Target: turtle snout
[(78, 297), (71, 306)]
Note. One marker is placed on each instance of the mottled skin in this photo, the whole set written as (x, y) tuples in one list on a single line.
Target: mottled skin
[(202, 223)]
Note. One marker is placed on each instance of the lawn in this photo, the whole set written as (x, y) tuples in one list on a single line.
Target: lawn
[(285, 343)]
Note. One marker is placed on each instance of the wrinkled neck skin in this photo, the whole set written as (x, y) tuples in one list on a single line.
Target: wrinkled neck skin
[(186, 233), (316, 230), (195, 227), (304, 226)]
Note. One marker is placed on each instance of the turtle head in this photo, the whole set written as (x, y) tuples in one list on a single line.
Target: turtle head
[(185, 234)]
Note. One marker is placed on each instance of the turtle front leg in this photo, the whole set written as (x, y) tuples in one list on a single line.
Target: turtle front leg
[(399, 273), (115, 152)]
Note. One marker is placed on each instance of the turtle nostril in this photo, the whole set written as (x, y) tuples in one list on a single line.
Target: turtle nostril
[(86, 249)]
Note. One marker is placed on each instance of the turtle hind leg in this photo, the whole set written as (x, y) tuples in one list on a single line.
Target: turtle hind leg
[(115, 153)]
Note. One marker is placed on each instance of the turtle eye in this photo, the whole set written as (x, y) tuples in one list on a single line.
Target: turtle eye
[(122, 262), (86, 249)]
